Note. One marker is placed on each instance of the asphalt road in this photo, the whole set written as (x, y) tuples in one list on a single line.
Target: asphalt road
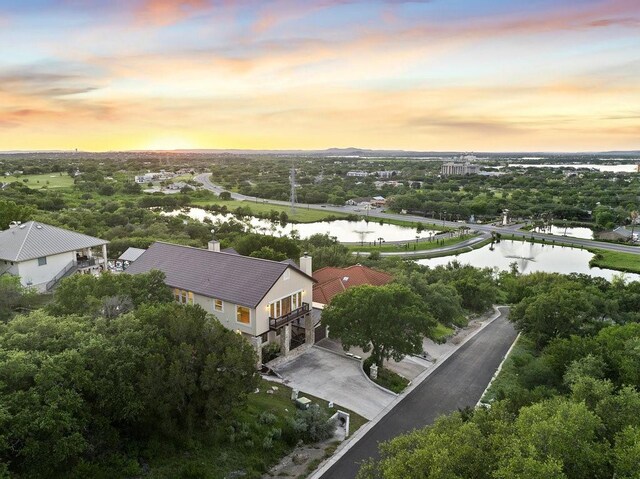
[(504, 230), (457, 383)]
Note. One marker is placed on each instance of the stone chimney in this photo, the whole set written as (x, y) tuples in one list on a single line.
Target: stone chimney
[(305, 264)]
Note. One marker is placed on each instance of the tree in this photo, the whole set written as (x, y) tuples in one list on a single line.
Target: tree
[(634, 219), (12, 295), (558, 313), (390, 321), (10, 211), (224, 196)]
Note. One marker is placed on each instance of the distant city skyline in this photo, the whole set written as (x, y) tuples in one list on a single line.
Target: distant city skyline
[(431, 75)]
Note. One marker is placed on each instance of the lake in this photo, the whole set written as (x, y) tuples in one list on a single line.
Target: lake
[(577, 232), (530, 257), (345, 231), (600, 167)]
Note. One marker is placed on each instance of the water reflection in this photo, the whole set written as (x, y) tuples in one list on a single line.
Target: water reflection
[(531, 257), (345, 231)]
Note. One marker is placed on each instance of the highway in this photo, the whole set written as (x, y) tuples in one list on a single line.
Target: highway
[(503, 230)]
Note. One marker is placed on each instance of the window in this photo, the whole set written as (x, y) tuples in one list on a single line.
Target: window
[(218, 305), (42, 261), (243, 315), (183, 296), (285, 305)]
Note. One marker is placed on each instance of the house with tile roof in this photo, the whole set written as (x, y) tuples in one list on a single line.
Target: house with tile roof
[(331, 281), (265, 301), (41, 255)]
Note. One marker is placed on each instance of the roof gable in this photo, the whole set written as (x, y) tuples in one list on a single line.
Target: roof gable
[(231, 277), (34, 239)]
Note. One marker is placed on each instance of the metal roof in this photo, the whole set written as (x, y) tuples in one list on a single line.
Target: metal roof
[(231, 277), (131, 254), (34, 240)]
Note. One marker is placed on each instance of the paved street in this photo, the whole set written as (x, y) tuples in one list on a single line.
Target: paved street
[(458, 382)]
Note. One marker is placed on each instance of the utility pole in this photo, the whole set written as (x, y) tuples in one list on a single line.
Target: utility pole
[(293, 197)]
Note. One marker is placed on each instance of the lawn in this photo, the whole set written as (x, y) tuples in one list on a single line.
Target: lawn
[(627, 262), (250, 443), (302, 213), (49, 180), (440, 333), (412, 245)]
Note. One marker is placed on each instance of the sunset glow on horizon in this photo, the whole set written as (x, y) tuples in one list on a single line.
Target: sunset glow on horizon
[(462, 75)]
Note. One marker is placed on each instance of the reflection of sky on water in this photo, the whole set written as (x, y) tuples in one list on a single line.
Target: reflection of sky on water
[(530, 257), (584, 233), (345, 231)]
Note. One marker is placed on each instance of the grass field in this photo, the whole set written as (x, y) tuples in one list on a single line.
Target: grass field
[(49, 180), (413, 246), (301, 215), (627, 262)]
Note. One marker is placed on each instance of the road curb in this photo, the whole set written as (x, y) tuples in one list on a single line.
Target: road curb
[(349, 443)]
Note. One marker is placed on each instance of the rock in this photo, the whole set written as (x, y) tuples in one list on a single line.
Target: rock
[(300, 458), (275, 388), (269, 391), (235, 474)]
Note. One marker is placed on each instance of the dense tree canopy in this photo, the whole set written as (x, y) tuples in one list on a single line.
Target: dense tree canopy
[(78, 389)]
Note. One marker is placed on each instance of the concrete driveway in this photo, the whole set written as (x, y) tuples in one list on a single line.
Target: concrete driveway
[(335, 378)]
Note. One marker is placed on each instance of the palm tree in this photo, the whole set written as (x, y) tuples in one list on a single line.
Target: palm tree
[(634, 218)]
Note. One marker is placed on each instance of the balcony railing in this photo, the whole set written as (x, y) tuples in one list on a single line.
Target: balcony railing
[(276, 323)]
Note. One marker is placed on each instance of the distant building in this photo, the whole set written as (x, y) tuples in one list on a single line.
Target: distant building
[(387, 174), (357, 174), (459, 168), (151, 176)]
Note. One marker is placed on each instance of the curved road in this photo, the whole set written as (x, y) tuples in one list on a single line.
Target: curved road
[(504, 230), (458, 382)]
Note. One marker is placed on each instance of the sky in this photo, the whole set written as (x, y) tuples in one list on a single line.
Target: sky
[(431, 75)]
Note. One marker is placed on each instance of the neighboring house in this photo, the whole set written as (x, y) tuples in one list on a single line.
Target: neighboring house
[(129, 256), (41, 255), (265, 301), (361, 201), (331, 281), (378, 201)]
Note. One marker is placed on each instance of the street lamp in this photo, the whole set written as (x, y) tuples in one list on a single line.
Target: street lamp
[(444, 217)]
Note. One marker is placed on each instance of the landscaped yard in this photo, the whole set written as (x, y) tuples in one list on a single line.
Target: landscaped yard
[(49, 180), (253, 442)]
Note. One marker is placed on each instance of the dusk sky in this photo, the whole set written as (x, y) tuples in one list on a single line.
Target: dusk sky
[(464, 75)]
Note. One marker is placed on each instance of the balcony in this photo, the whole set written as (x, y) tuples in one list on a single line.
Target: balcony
[(277, 323)]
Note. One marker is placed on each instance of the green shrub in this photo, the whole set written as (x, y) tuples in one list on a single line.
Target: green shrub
[(313, 424)]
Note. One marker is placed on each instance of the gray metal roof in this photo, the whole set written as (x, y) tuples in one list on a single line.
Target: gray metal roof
[(34, 239), (231, 277), (131, 254)]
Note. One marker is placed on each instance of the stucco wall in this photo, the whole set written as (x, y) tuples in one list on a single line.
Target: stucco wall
[(38, 276), (227, 316), (283, 287)]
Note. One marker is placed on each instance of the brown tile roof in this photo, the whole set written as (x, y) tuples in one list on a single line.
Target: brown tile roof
[(332, 281), (231, 277)]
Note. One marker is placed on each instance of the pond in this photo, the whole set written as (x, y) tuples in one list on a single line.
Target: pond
[(345, 231), (531, 257), (575, 232)]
